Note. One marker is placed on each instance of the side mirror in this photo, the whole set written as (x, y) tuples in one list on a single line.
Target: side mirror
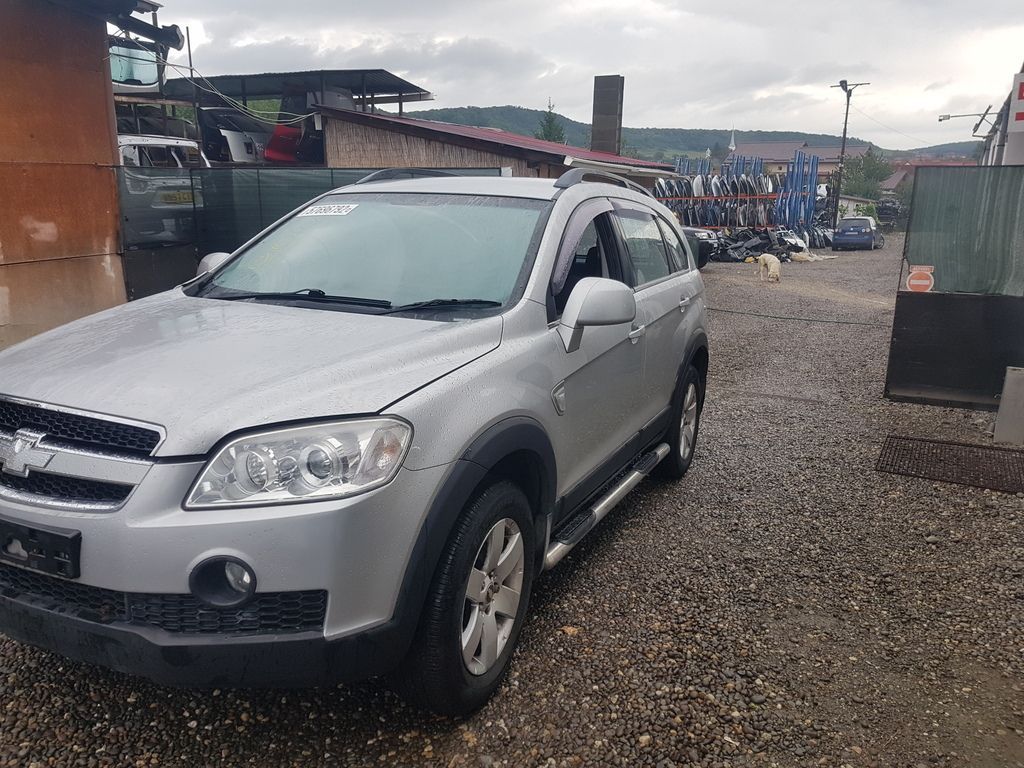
[(211, 261), (595, 301)]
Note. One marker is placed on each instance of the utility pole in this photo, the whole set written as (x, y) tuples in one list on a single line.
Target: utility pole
[(848, 89)]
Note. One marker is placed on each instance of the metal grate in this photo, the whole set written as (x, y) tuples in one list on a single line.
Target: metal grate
[(64, 488), (183, 614), (77, 428), (1000, 469)]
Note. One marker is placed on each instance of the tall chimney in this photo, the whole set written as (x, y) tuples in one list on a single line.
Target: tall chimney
[(606, 127)]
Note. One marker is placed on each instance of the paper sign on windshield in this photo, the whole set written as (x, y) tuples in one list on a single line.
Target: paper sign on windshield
[(330, 210)]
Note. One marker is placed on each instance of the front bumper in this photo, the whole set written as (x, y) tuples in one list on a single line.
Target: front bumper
[(853, 241), (131, 610), (302, 659)]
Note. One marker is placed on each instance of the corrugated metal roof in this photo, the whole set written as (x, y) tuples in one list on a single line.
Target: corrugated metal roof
[(495, 136), (378, 82)]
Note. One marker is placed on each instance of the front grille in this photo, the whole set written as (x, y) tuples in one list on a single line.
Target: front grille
[(75, 428), (66, 489), (269, 612), (181, 614)]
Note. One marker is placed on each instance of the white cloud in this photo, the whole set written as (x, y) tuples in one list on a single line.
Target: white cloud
[(744, 62)]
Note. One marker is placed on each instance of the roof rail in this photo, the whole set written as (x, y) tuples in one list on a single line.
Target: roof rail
[(388, 174), (576, 175)]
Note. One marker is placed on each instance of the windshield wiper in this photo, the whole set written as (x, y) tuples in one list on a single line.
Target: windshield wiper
[(305, 294), (442, 304)]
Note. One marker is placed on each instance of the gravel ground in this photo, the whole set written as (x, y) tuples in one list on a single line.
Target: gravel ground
[(783, 605)]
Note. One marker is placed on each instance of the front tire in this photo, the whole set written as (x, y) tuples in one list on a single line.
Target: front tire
[(687, 405), (475, 608)]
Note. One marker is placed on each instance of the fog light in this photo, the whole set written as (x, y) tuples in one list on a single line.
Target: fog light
[(239, 578), (222, 582)]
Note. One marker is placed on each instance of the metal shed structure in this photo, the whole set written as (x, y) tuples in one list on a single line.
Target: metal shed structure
[(369, 87), (364, 140)]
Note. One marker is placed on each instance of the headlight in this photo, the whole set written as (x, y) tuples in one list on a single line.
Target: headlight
[(321, 461)]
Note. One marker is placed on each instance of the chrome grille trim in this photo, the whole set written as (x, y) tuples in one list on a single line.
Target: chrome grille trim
[(63, 505), (104, 467)]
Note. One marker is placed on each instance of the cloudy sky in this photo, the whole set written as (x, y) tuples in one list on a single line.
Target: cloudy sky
[(751, 64)]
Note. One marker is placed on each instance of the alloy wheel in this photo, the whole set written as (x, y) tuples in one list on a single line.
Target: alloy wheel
[(493, 596), (688, 429)]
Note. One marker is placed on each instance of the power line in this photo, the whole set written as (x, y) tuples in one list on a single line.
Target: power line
[(889, 127), (212, 89)]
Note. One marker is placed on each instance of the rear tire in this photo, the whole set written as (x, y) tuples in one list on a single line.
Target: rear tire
[(474, 612), (687, 405)]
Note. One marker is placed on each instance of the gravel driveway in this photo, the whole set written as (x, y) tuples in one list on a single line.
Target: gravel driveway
[(783, 605)]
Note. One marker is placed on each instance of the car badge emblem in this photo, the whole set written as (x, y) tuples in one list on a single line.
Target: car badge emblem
[(21, 453)]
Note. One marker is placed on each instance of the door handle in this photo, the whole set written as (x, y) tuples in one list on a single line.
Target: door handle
[(684, 302), (636, 333)]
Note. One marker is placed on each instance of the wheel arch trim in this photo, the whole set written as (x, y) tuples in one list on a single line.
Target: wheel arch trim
[(504, 439)]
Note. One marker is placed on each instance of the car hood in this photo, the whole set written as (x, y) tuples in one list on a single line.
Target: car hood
[(204, 368)]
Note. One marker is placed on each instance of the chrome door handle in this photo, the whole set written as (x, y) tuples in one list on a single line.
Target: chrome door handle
[(636, 333), (684, 302)]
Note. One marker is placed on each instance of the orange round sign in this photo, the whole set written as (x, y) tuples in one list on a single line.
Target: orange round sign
[(920, 282)]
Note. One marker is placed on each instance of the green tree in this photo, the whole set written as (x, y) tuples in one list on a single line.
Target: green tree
[(550, 128), (862, 175), (625, 150)]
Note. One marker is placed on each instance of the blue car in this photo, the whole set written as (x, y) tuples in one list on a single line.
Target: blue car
[(857, 233)]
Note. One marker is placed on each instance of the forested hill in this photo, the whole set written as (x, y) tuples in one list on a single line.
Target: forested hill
[(657, 143), (651, 143)]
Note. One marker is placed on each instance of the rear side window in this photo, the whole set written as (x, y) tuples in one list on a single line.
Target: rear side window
[(644, 245), (676, 250)]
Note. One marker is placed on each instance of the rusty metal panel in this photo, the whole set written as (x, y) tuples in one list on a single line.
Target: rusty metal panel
[(56, 212), (37, 296), (56, 102)]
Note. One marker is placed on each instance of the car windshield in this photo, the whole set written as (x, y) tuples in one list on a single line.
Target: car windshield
[(397, 248)]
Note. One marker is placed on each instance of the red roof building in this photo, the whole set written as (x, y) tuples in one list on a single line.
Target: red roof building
[(778, 154), (368, 140)]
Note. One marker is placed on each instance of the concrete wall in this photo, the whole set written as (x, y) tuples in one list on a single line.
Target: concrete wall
[(58, 193)]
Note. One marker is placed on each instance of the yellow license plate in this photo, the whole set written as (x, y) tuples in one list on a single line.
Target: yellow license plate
[(176, 197)]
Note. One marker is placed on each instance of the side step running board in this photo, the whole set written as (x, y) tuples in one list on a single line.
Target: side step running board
[(586, 522)]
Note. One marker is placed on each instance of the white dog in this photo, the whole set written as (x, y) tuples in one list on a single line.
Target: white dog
[(769, 266)]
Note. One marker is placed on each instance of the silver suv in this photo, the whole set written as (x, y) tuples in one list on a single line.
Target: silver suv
[(349, 448)]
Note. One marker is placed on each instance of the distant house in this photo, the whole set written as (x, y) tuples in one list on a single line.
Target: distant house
[(848, 204), (778, 154), (367, 140), (898, 179)]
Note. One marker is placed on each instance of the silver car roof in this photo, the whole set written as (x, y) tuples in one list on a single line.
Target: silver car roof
[(506, 186)]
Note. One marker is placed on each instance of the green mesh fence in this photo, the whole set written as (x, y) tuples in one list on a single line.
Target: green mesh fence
[(967, 223), (157, 207), (237, 203)]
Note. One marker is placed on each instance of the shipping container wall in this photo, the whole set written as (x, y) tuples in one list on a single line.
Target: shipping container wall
[(58, 198)]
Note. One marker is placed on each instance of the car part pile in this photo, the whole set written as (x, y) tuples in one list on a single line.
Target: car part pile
[(750, 209), (746, 243)]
